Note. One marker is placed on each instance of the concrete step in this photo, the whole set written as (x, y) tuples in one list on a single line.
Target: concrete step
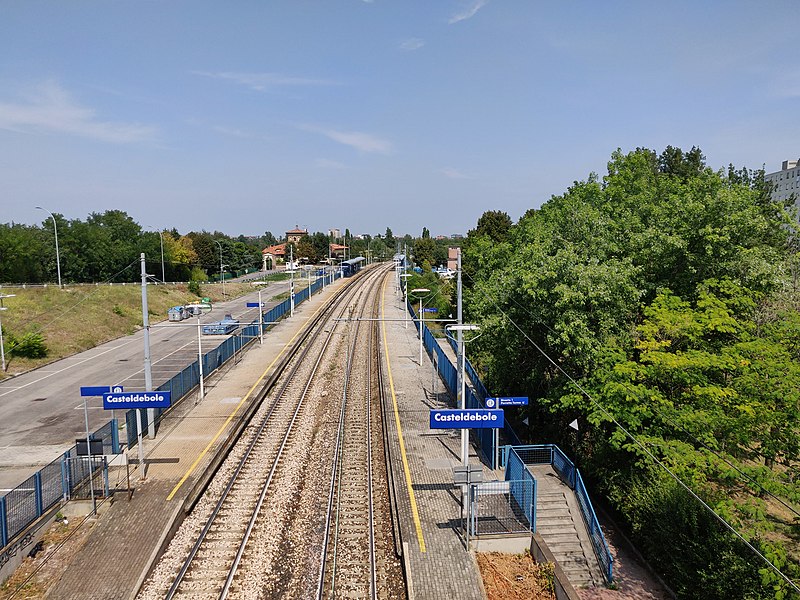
[(550, 511), (555, 520), (566, 549), (550, 496), (556, 537)]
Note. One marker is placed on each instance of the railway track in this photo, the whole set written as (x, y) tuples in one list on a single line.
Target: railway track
[(349, 565), (258, 531)]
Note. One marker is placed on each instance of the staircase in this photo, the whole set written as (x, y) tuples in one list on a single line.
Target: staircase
[(559, 522)]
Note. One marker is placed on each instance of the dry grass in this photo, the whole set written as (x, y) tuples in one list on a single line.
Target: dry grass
[(77, 318), (515, 577), (35, 575)]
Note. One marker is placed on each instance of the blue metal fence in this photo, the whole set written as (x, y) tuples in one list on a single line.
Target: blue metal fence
[(501, 507), (64, 478), (68, 476), (449, 373), (516, 471), (552, 455), (189, 378)]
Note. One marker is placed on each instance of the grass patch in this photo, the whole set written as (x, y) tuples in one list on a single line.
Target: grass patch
[(74, 319)]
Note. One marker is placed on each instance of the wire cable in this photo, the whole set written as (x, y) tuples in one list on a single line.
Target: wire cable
[(675, 424), (641, 445)]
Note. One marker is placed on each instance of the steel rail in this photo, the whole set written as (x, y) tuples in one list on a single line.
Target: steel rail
[(256, 511), (310, 334), (336, 484)]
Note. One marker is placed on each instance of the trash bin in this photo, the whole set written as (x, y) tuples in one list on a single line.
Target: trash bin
[(177, 313)]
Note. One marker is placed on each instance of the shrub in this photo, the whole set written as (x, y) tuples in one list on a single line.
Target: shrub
[(30, 345), (194, 288)]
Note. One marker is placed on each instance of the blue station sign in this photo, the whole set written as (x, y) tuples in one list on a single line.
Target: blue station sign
[(255, 304), (466, 419), (502, 401), (99, 390), (117, 401), (430, 310)]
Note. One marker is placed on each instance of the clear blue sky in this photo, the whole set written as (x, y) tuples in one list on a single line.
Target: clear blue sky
[(250, 116)]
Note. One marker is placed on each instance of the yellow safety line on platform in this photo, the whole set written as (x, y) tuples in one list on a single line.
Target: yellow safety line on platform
[(412, 498), (236, 410)]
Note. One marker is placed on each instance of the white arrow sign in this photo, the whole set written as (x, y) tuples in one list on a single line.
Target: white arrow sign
[(574, 424)]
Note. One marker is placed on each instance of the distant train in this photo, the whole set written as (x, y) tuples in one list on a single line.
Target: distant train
[(352, 266), (401, 262)]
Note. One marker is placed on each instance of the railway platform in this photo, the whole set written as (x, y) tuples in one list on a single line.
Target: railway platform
[(438, 564), (127, 538)]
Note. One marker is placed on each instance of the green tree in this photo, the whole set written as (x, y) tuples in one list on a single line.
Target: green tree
[(307, 250), (493, 223), (424, 251), (648, 287), (389, 239)]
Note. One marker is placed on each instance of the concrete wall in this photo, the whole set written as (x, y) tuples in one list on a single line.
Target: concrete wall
[(541, 554)]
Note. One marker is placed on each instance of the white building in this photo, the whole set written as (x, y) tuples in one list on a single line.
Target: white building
[(787, 180)]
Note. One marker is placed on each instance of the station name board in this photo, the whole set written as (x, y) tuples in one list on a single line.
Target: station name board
[(466, 419), (136, 400)]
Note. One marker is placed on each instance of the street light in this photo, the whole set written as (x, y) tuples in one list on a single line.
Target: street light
[(422, 318), (221, 275), (2, 351), (55, 230), (463, 404), (405, 298)]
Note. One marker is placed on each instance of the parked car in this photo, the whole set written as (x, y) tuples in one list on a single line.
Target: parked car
[(177, 313), (225, 326)]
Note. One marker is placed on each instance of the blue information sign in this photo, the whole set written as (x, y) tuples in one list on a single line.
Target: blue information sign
[(255, 304), (506, 401), (99, 390), (466, 419), (136, 400), (430, 310)]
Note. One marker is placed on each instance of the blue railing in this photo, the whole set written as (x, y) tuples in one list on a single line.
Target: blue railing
[(62, 479), (68, 474), (450, 376), (598, 539), (189, 378), (483, 393), (449, 373), (516, 471), (552, 455)]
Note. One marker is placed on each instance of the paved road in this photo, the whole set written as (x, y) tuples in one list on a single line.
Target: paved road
[(41, 412)]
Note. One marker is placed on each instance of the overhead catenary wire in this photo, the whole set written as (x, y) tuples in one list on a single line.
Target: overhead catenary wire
[(640, 444), (62, 313), (677, 425)]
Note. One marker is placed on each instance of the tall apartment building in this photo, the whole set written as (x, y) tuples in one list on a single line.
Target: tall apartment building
[(787, 180)]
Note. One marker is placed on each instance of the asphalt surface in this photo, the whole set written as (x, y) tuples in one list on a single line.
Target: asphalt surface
[(41, 412)]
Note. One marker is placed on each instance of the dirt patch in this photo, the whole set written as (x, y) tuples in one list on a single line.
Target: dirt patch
[(515, 577), (36, 575)]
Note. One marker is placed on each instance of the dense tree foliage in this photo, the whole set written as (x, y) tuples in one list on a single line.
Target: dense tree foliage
[(663, 300), (106, 247)]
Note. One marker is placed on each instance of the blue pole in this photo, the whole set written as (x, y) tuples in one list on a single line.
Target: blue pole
[(3, 524), (114, 436), (37, 485)]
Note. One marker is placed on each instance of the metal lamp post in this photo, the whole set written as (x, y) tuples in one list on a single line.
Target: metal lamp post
[(221, 274), (2, 350), (405, 298), (55, 231), (462, 391), (421, 318), (200, 349)]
